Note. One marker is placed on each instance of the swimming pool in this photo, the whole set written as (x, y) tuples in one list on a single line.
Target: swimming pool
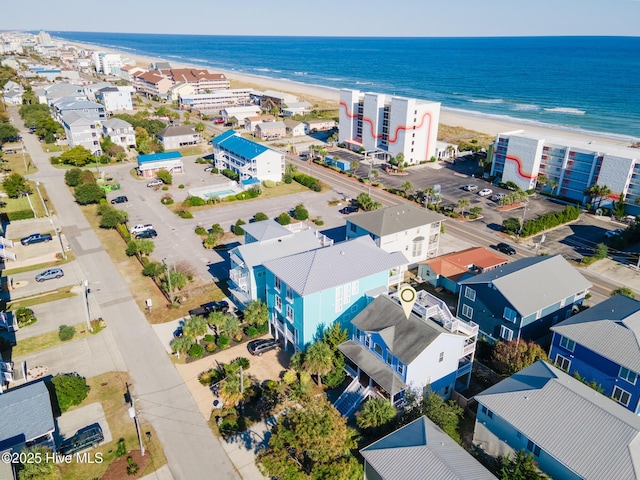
[(220, 194)]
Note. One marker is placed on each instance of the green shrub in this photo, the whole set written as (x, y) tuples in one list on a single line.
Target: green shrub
[(121, 449), (269, 184), (260, 217), (73, 177), (550, 220), (165, 176), (601, 251), (165, 188), (319, 222), (124, 232), (196, 351), (237, 228), (208, 338), (201, 231), (251, 331), (166, 200), (66, 332), (210, 347), (283, 219), (71, 389), (20, 215), (230, 174), (212, 375), (87, 193), (511, 225), (264, 328), (223, 342), (300, 212), (308, 181), (287, 178), (195, 202), (185, 214), (112, 217), (181, 185)]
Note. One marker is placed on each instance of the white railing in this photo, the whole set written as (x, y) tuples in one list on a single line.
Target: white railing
[(6, 242), (464, 370), (395, 278), (468, 349), (4, 253), (238, 278)]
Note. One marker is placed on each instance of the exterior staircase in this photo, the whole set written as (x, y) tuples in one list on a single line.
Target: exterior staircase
[(351, 398)]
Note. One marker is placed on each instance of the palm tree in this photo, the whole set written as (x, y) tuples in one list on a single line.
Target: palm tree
[(195, 327), (462, 203), (430, 194), (318, 359), (407, 187), (216, 319), (603, 192), (232, 326), (375, 413), (230, 389), (182, 344)]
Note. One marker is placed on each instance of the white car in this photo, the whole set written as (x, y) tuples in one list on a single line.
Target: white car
[(470, 188), (485, 192), (155, 183), (140, 228)]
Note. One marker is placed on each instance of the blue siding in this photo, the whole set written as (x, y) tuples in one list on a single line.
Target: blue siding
[(593, 367)]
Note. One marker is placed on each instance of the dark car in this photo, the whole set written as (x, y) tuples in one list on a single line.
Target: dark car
[(258, 347), (120, 199), (207, 308), (505, 248), (151, 233), (36, 238), (348, 209), (178, 333)]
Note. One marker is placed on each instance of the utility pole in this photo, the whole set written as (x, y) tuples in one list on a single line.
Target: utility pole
[(85, 287), (46, 210), (132, 414), (164, 261)]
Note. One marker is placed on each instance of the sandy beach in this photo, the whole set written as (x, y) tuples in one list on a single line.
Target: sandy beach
[(315, 93)]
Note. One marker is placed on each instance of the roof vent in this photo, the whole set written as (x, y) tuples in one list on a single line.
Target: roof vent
[(342, 252)]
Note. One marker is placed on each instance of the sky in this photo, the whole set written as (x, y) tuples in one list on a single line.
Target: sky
[(414, 18)]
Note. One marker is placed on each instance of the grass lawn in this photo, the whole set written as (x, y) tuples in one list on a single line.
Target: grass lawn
[(143, 288), (201, 149), (40, 266), (22, 203), (47, 340), (15, 162), (59, 294), (109, 389)]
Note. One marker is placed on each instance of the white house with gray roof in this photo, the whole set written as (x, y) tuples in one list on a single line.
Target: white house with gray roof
[(12, 92), (309, 291), (573, 432), (247, 278), (387, 353), (602, 345), (120, 132), (420, 451), (82, 131), (27, 417), (405, 228), (175, 137), (522, 299), (116, 99)]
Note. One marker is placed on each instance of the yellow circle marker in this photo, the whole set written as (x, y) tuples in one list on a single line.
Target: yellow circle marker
[(407, 297)]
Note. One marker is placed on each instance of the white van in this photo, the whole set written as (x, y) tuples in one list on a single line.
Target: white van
[(140, 228)]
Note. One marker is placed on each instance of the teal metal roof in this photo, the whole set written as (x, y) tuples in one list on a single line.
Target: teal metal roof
[(154, 157), (240, 146)]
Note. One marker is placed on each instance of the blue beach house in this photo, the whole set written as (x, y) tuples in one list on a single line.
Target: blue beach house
[(522, 299), (265, 241), (572, 431), (389, 353), (602, 344), (309, 291)]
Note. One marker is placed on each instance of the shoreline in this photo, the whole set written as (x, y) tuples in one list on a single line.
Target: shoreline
[(475, 121)]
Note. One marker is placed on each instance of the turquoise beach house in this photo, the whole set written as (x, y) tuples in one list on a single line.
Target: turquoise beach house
[(309, 291)]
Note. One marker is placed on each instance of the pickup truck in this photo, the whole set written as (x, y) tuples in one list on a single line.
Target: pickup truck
[(36, 238), (207, 308)]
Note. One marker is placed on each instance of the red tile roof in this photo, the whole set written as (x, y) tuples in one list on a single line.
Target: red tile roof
[(457, 263)]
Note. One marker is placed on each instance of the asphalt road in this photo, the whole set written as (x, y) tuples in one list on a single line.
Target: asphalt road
[(162, 399)]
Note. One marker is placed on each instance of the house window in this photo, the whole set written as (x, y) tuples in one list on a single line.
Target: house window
[(628, 375), (518, 435), (621, 396), (290, 313), (389, 357), (278, 284), (339, 299), (352, 227), (563, 363), (568, 314), (446, 390), (289, 294), (484, 409), (441, 358), (400, 368), (470, 293), (357, 332), (567, 344), (532, 447), (509, 314), (354, 287), (506, 333), (278, 303), (467, 311), (378, 349), (347, 293), (417, 248), (367, 341)]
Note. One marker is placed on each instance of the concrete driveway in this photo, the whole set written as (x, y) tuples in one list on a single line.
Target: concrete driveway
[(68, 311), (69, 423)]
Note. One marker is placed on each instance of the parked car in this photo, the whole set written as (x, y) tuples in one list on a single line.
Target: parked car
[(207, 308), (219, 121), (155, 183), (497, 197), (485, 192), (258, 347), (178, 333), (348, 209), (36, 238), (613, 233), (140, 228), (470, 188), (49, 274), (151, 233), (505, 248), (119, 199)]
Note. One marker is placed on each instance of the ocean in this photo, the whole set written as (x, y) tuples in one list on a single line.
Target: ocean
[(576, 83)]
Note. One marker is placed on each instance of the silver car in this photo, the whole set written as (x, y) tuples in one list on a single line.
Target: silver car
[(49, 274)]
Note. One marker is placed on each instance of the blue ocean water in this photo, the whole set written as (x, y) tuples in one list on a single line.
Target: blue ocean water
[(584, 83)]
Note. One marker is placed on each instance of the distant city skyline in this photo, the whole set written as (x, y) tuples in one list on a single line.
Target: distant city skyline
[(408, 18)]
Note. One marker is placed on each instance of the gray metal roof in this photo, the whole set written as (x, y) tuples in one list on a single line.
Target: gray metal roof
[(116, 123), (176, 131), (373, 366), (422, 451), (581, 428), (610, 328), (338, 264), (395, 219), (75, 118), (266, 230), (406, 337), (256, 253), (26, 414), (533, 283)]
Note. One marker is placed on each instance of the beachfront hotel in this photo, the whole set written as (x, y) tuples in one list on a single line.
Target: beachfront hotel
[(389, 125), (567, 166)]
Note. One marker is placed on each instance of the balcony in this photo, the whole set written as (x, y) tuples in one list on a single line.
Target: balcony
[(240, 278)]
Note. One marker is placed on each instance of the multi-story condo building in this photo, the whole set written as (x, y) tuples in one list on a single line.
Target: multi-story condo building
[(211, 103), (567, 167), (389, 125), (202, 80), (116, 99), (150, 83)]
